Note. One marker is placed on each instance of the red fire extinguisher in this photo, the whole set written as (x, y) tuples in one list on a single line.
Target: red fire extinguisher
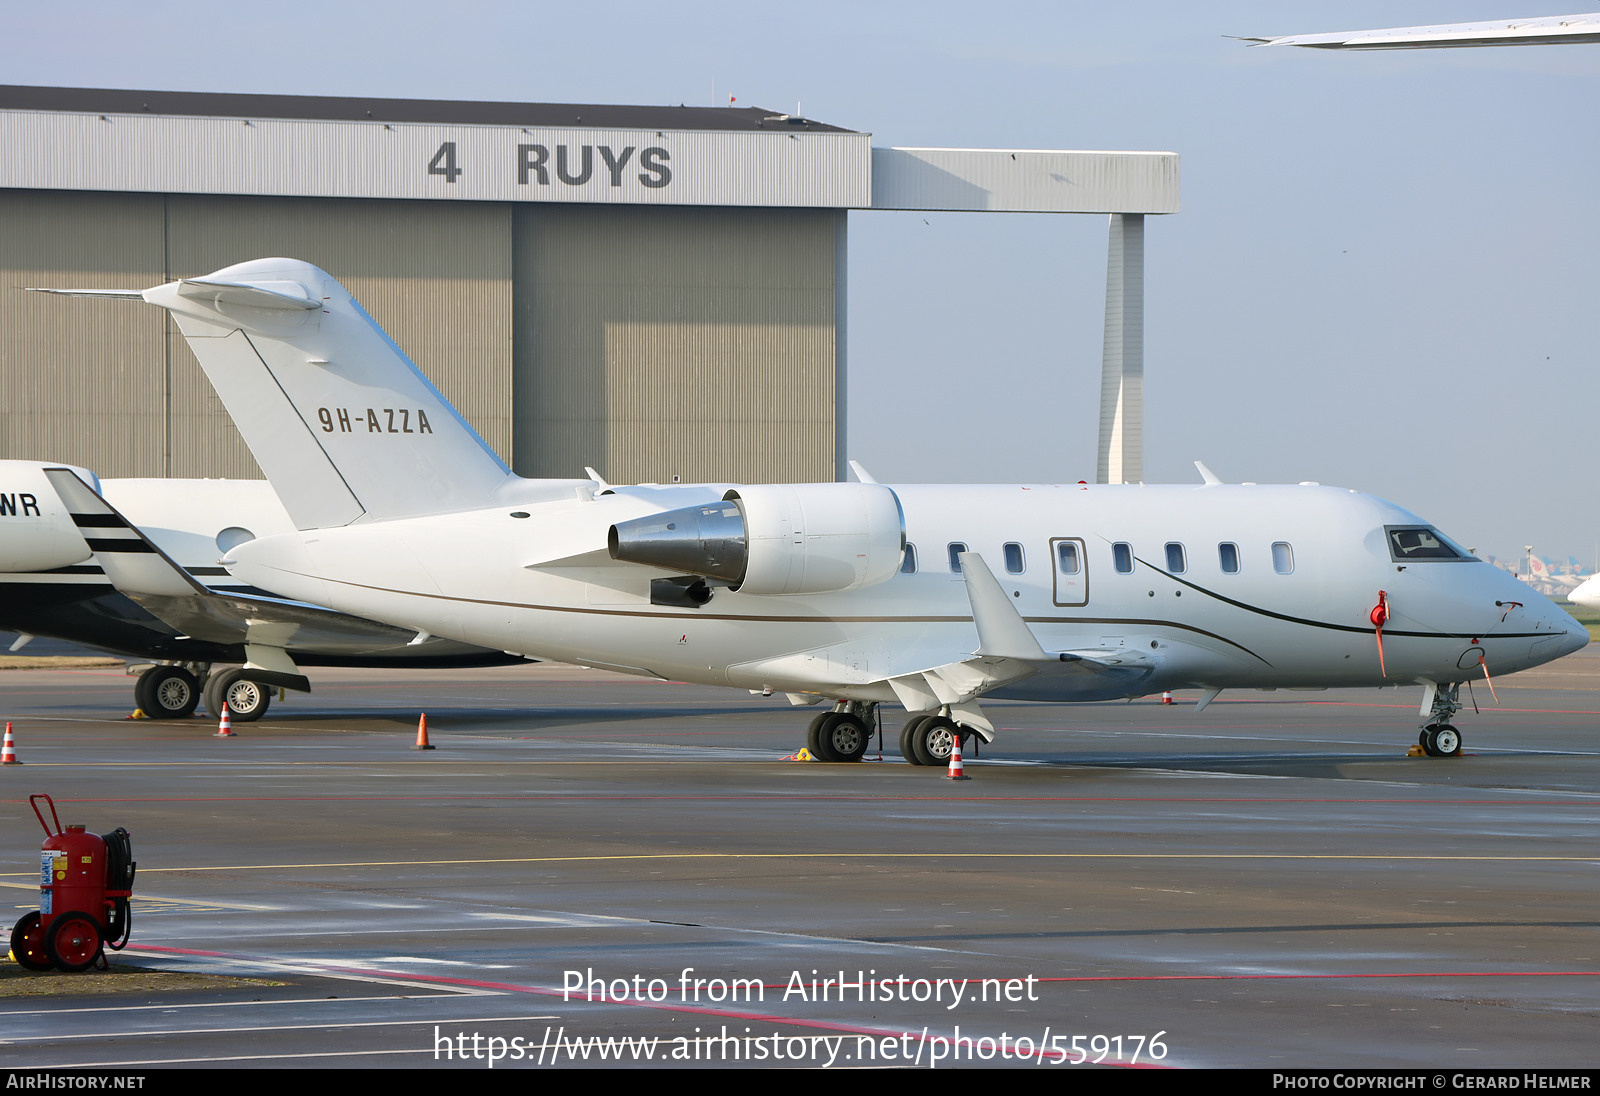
[(85, 882)]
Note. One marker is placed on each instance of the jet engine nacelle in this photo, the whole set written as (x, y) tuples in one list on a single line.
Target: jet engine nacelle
[(36, 532), (780, 538)]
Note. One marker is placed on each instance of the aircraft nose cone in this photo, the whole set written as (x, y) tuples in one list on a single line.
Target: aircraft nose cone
[(1576, 638)]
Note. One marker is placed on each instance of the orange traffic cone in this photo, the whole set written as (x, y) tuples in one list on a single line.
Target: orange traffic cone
[(1166, 697), (8, 749), (225, 725), (955, 772), (422, 733)]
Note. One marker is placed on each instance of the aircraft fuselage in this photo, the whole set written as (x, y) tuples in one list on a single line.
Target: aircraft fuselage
[(1214, 586)]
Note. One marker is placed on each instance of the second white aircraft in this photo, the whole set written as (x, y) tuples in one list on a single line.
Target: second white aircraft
[(855, 593)]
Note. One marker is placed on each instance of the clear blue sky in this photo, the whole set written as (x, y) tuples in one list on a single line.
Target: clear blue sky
[(1384, 275)]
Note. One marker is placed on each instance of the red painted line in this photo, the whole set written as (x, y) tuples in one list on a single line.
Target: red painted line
[(1329, 977)]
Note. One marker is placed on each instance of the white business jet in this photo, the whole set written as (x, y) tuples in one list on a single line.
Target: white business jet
[(856, 593)]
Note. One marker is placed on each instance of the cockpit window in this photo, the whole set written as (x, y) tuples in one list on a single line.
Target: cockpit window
[(1408, 543)]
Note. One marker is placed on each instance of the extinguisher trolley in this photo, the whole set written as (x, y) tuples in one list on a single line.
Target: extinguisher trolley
[(85, 882)]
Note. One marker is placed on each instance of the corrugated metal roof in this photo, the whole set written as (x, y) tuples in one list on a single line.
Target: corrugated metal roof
[(198, 104)]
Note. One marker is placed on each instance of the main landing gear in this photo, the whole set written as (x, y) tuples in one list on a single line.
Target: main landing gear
[(169, 692), (247, 700), (842, 734), (175, 691), (1438, 737), (845, 732), (930, 739)]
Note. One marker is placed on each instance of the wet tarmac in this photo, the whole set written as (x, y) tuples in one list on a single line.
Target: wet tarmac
[(592, 869)]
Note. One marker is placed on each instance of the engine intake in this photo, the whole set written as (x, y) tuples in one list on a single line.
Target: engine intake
[(785, 538)]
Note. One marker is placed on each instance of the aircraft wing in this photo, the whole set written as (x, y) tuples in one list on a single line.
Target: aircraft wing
[(1548, 30), (268, 626), (1007, 652)]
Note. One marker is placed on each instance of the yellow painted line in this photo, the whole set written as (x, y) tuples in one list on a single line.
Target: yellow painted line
[(1382, 857)]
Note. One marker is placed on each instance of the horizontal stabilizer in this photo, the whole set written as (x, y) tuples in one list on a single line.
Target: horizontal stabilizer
[(262, 294), (114, 294)]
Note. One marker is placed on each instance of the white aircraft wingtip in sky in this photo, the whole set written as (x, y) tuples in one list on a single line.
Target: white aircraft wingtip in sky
[(1546, 30)]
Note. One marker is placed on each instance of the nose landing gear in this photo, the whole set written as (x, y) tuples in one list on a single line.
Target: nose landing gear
[(1438, 737)]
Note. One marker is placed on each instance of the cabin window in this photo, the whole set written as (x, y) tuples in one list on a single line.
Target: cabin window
[(1122, 558), (1414, 542), (1067, 557), (1282, 557), (1228, 557), (908, 562), (1014, 561), (1176, 563), (956, 548)]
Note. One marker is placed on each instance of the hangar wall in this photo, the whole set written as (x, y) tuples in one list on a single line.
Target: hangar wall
[(84, 384), (647, 342), (678, 341)]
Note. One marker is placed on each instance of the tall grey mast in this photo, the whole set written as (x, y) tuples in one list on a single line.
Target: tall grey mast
[(1122, 358), (1127, 185)]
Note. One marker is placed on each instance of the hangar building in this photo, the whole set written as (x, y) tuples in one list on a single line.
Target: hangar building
[(656, 292)]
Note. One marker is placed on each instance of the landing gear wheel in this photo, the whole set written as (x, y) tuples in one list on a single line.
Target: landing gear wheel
[(837, 736), (27, 943), (816, 740), (247, 700), (1442, 740), (167, 692), (934, 740), (210, 694), (844, 737), (908, 735), (73, 942)]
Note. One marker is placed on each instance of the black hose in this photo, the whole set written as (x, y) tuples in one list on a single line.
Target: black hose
[(120, 867)]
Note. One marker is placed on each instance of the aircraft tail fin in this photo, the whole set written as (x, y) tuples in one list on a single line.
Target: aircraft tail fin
[(340, 420)]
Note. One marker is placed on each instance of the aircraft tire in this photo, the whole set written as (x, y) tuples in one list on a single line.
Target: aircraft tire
[(1442, 740), (934, 740), (816, 740), (843, 738), (908, 734), (208, 693), (167, 692), (247, 700)]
